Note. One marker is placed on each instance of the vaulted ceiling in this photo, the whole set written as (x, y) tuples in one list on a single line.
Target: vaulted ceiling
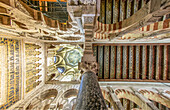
[(120, 40)]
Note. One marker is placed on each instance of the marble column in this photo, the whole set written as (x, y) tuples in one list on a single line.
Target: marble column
[(90, 96)]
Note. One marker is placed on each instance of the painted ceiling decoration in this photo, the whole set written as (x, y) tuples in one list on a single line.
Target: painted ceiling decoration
[(68, 57), (33, 56), (73, 57), (10, 72), (114, 22), (47, 45), (137, 61), (65, 59)]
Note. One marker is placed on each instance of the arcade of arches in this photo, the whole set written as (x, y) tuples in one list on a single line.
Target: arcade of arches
[(85, 54)]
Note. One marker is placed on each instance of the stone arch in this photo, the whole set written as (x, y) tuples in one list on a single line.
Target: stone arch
[(69, 93), (36, 96), (107, 97), (66, 91), (149, 94), (72, 92), (47, 94), (73, 103), (122, 93)]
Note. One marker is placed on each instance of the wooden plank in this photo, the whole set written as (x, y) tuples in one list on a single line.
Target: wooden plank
[(106, 62), (128, 8), (151, 62), (137, 69), (158, 62), (102, 13), (136, 5), (109, 11), (165, 72), (131, 61), (113, 62), (51, 0), (100, 60), (168, 62), (124, 9), (118, 64), (116, 11), (121, 65), (125, 62), (154, 63), (128, 44), (134, 61), (121, 10), (144, 62)]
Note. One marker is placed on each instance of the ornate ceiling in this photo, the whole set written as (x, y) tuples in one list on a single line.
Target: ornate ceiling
[(61, 21), (54, 9), (93, 23), (66, 59)]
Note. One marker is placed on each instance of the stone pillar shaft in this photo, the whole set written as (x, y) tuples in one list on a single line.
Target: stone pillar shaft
[(90, 96)]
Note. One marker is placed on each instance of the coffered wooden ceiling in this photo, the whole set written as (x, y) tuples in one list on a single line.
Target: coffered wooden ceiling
[(54, 9)]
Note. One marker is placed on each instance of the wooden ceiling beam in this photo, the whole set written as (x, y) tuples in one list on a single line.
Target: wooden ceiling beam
[(51, 0)]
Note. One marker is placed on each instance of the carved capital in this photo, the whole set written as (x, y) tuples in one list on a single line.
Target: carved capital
[(88, 66)]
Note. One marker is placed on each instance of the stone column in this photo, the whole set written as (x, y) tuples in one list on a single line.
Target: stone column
[(90, 96)]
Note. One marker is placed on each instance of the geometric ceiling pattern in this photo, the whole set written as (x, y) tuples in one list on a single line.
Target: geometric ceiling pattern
[(66, 60)]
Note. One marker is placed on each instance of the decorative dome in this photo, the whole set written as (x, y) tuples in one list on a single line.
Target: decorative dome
[(73, 57)]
